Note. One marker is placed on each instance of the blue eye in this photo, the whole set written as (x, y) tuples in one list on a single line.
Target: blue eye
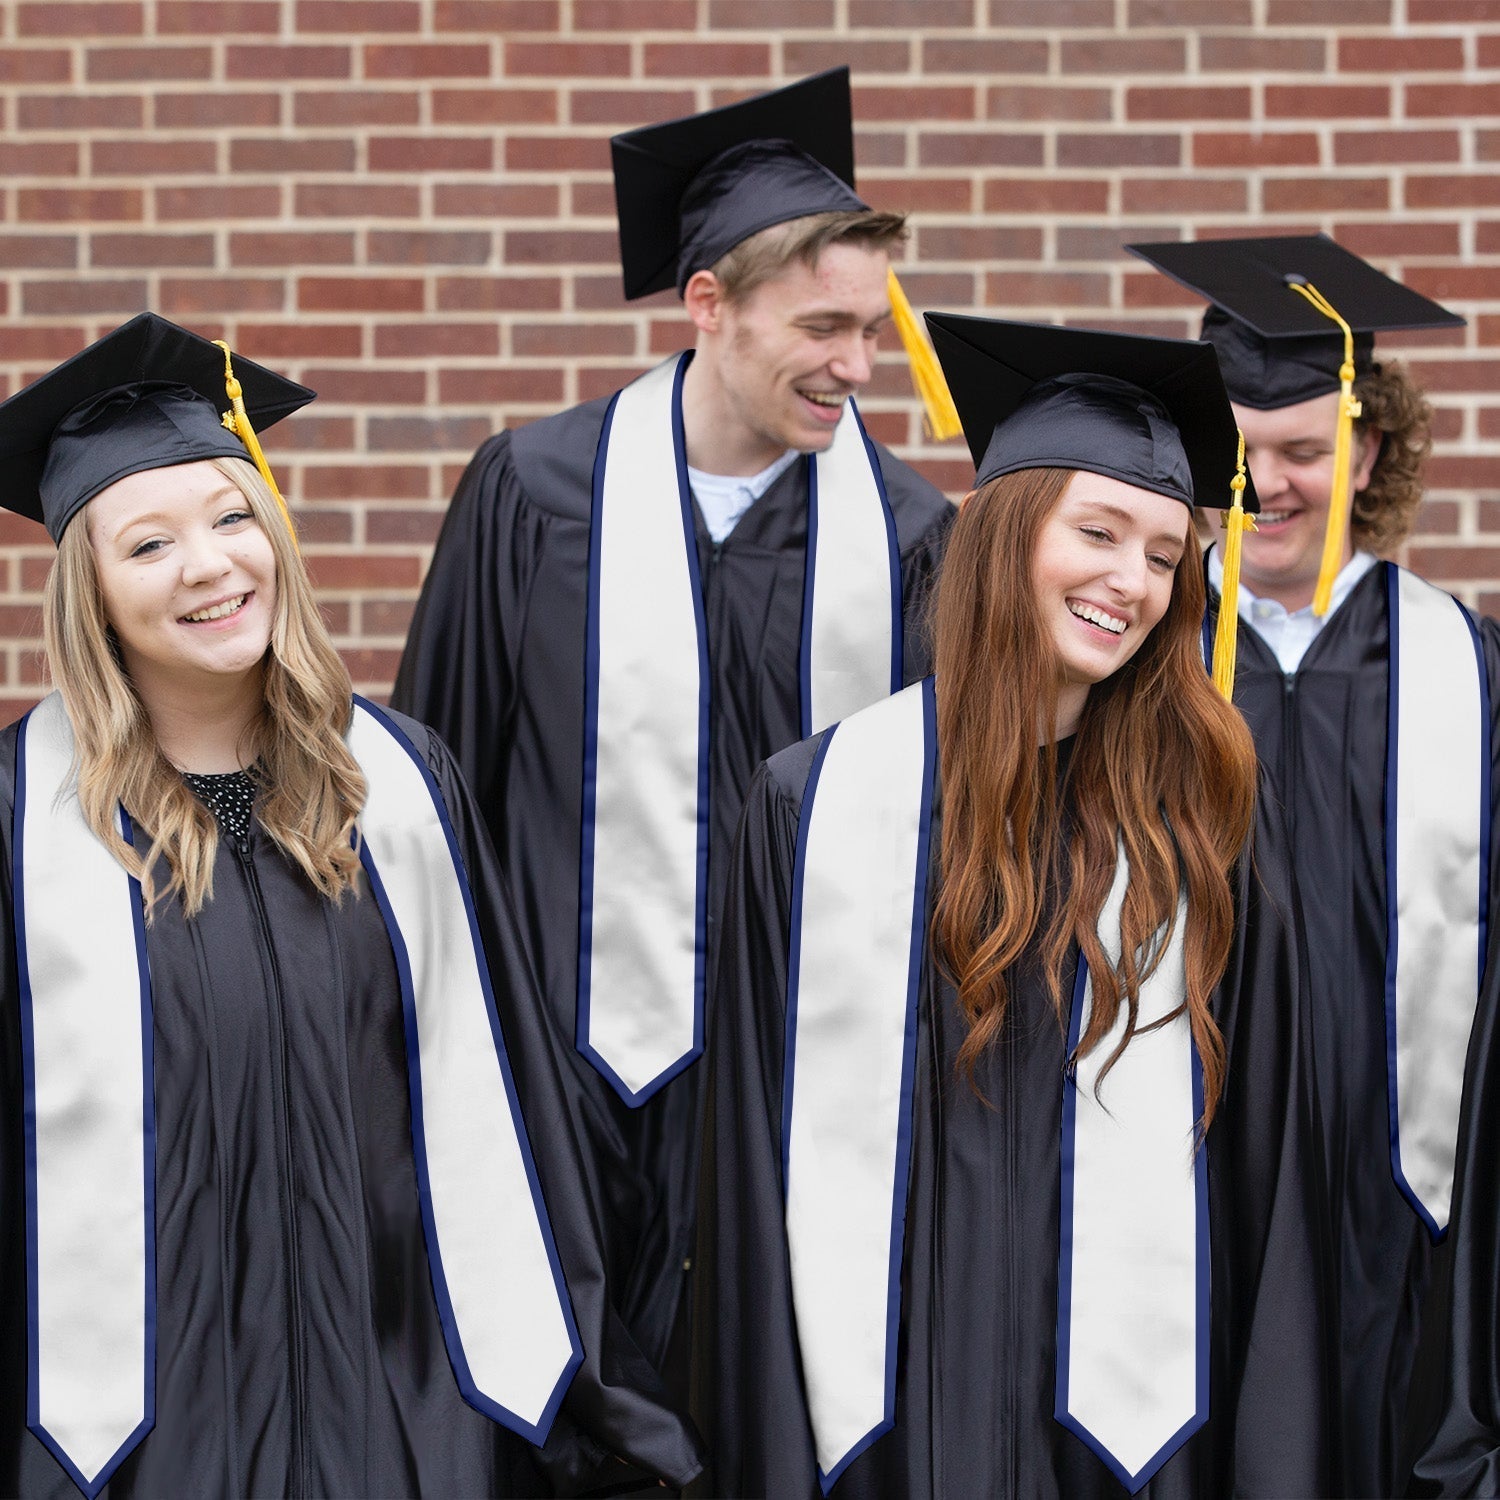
[(148, 547), (234, 517), (1098, 533)]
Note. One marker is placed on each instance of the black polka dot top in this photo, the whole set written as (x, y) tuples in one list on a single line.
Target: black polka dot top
[(228, 795)]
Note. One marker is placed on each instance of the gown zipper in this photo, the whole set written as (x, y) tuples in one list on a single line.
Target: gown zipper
[(300, 1480)]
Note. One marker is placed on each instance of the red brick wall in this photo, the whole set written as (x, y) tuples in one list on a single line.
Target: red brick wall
[(416, 217)]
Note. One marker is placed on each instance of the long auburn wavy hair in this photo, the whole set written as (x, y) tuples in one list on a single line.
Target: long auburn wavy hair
[(310, 789), (1160, 764)]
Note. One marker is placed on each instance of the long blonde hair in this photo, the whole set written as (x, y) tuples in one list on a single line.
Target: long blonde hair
[(309, 787)]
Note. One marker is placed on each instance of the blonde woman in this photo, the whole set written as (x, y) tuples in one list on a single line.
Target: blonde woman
[(291, 1201)]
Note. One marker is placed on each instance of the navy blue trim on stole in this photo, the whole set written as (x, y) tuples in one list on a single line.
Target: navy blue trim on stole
[(893, 546), (634, 1098), (1134, 1483), (533, 1433), (148, 1131), (1486, 805), (809, 579)]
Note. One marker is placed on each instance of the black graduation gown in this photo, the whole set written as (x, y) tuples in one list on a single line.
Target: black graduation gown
[(976, 1358), (495, 663), (299, 1350), (1321, 732)]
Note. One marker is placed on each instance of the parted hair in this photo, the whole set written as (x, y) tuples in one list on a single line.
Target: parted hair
[(769, 251), (1385, 511), (1161, 766), (309, 788)]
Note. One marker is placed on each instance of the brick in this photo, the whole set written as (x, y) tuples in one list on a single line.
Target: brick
[(218, 108), (978, 242), (38, 252), (286, 247), (34, 65), (625, 108), (1123, 56), (550, 247), (386, 617), (1329, 13), (497, 17), (497, 200), (430, 247), (357, 107), (356, 200), (1103, 242), (50, 344), (1094, 14), (368, 386), (326, 527), (1411, 237), (1150, 289), (1400, 54), (431, 153), (38, 159), (1392, 147), (923, 193), (1255, 149), (300, 340), (213, 296), (927, 104), (706, 59), (770, 15), (1452, 100), (217, 17), (988, 55), (427, 60), (80, 111), (77, 205), (1431, 12), (1194, 13), (387, 527), (313, 16), (1262, 54), (1459, 191), (1456, 471), (1043, 289), (937, 288), (1315, 194), (489, 386), (567, 59), (1046, 195), (212, 201), (1119, 149), (81, 18), (135, 157), (144, 64), (498, 293), (862, 56), (877, 14), (306, 433), (362, 294), (1187, 103), (1488, 52), (149, 251), (557, 153), (423, 340), (352, 570), (1319, 101), (1447, 282), (1456, 374), (1437, 517), (78, 299), (1025, 102), (1448, 564), (543, 340), (424, 435), (596, 200), (873, 148), (494, 106), (979, 149), (364, 482), (282, 154)]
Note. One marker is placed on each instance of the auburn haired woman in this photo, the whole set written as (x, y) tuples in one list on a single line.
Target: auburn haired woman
[(1009, 1189), (289, 1185)]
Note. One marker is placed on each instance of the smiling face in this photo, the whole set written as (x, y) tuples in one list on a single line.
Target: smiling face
[(1103, 569), (785, 357), (1289, 453), (187, 576)]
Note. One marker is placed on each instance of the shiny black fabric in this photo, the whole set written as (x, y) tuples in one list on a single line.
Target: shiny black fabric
[(1267, 374), (976, 1360), (495, 662), (1322, 733), (299, 1351)]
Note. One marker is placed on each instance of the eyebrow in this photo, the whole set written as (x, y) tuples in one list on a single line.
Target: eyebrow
[(158, 518), (842, 316), (1122, 514)]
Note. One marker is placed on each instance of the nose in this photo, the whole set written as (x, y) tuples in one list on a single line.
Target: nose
[(853, 360), (1267, 473), (204, 558), (1129, 576)]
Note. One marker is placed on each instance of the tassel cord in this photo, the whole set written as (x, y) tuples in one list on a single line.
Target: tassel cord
[(1226, 637), (237, 420), (926, 373)]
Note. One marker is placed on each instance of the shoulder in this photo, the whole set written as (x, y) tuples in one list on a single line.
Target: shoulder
[(785, 774), (553, 459), (421, 740)]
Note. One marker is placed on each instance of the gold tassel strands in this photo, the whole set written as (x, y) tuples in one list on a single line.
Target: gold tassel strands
[(1226, 637), (926, 372), (237, 420)]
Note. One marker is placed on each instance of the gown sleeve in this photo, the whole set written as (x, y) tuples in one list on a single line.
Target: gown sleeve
[(747, 1381), (617, 1417)]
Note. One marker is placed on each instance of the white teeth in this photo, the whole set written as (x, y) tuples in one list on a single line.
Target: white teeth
[(1096, 616), (217, 611), (818, 400)]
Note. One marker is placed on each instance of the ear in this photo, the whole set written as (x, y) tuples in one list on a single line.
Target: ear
[(703, 297), (1367, 441), (967, 498)]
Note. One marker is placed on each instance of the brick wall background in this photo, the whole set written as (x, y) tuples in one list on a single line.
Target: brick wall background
[(407, 205)]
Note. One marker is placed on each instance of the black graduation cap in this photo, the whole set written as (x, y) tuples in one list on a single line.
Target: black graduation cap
[(147, 396), (690, 190), (1151, 412), (1275, 347)]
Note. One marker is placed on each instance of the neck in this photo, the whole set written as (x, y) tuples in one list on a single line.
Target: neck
[(205, 724), (1071, 696), (718, 440), (1291, 594)]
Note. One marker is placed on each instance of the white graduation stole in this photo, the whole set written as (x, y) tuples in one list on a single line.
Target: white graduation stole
[(1437, 827), (1134, 1383), (86, 1032), (644, 867)]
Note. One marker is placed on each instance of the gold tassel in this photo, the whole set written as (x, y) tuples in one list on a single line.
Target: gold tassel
[(1226, 637), (1338, 495), (237, 420), (926, 372)]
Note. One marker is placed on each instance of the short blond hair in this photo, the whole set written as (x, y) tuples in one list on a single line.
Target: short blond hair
[(756, 260)]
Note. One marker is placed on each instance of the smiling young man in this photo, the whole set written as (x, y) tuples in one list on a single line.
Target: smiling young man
[(1374, 718), (636, 601)]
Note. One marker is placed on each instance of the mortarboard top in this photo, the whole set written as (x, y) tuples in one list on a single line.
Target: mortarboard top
[(1151, 412), (690, 190), (147, 396), (1275, 347)]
